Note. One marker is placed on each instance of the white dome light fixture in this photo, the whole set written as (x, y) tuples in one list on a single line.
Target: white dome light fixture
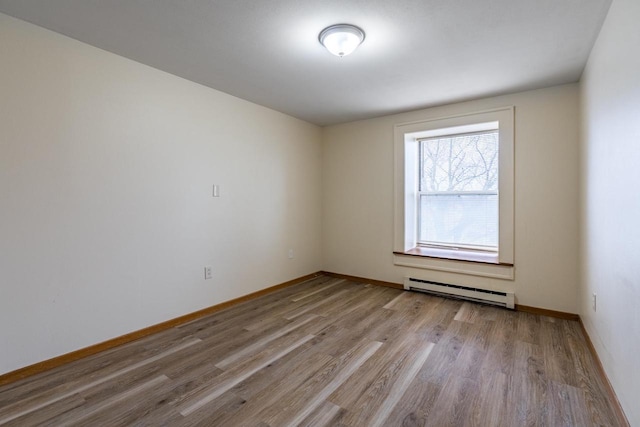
[(341, 39)]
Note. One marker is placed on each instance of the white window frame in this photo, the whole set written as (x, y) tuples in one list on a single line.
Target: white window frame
[(406, 140)]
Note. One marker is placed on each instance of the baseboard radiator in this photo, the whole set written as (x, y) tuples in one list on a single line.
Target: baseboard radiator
[(502, 299)]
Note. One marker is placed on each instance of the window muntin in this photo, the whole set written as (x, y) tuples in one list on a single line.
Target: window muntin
[(458, 204)]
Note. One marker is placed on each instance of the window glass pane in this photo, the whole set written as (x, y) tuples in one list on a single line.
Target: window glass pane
[(467, 162), (459, 190), (459, 219)]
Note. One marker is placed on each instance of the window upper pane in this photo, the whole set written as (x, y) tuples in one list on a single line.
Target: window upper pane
[(463, 162)]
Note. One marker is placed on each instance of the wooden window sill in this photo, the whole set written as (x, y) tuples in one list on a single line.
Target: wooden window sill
[(455, 261), (454, 255)]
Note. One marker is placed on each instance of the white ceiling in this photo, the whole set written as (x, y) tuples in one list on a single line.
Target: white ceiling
[(417, 53)]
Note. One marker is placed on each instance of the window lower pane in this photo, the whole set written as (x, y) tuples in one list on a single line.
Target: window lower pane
[(459, 219)]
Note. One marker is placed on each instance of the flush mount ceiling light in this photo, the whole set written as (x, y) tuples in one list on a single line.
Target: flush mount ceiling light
[(341, 39)]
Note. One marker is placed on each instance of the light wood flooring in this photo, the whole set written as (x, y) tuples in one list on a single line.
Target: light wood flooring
[(331, 352)]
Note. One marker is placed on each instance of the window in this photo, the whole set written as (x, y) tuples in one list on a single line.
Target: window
[(454, 193)]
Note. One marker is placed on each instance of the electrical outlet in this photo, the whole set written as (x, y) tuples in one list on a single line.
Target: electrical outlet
[(593, 301), (290, 253), (207, 273)]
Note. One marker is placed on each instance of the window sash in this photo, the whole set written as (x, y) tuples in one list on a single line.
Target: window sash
[(452, 245), (422, 142), (421, 194), (457, 135), (459, 193)]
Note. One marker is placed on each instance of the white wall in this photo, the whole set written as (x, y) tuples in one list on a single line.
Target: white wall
[(106, 214), (610, 175), (358, 197)]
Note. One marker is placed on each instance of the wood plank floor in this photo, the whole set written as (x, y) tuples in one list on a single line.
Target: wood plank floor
[(331, 352)]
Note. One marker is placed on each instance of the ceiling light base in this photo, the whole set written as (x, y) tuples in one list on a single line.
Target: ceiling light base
[(341, 39)]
